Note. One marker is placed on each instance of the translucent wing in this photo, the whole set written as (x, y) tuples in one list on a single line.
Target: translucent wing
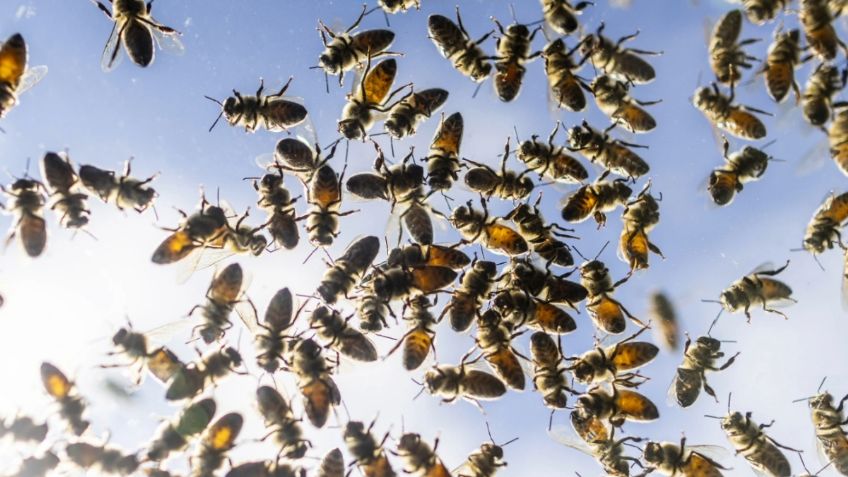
[(169, 42), (814, 159), (31, 77), (246, 310), (199, 259), (161, 335), (112, 54), (265, 161), (564, 436), (763, 267)]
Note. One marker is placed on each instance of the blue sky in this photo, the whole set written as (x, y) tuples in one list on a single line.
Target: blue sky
[(64, 306)]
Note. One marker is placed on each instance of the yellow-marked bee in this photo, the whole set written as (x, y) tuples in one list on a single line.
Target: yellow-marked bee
[(71, 405), (615, 364), (672, 459), (837, 136), (761, 451), (478, 227), (333, 329), (324, 195), (223, 294), (27, 208), (281, 423), (452, 382), (639, 217), (551, 161), (160, 361), (757, 288), (419, 341), (474, 288), (817, 21), (486, 460), (698, 358), (126, 192), (504, 184), (825, 227), (520, 308), (194, 377), (15, 76), (543, 238), (174, 435), (316, 386), (784, 55), (347, 270), (412, 109), (399, 282), (368, 454), (828, 421), (276, 200), (332, 465), (494, 339), (513, 52), (265, 468), (104, 458), (136, 30), (726, 54), (23, 429), (395, 6), (607, 313), (561, 15), (617, 406), (613, 99), (549, 372), (419, 458), (68, 202), (215, 443), (456, 45), (417, 255), (205, 228), (269, 335), (762, 11), (443, 157), (37, 466), (728, 116), (273, 112), (370, 96), (743, 166), (613, 155), (623, 64), (817, 100), (665, 318), (595, 199), (564, 86)]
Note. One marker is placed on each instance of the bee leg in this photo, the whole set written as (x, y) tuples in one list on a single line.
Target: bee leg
[(727, 364), (102, 8), (358, 20), (644, 52), (622, 39), (781, 445)]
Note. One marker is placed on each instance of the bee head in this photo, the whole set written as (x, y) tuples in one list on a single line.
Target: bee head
[(517, 29), (271, 181), (493, 450), (233, 355), (589, 43), (25, 184), (583, 371), (120, 337), (233, 109), (330, 62), (729, 300), (482, 71), (821, 401), (461, 216), (351, 129), (434, 379), (554, 47), (703, 98), (579, 136), (653, 452), (709, 342), (258, 243), (397, 126), (409, 441), (733, 421), (525, 187), (486, 267)]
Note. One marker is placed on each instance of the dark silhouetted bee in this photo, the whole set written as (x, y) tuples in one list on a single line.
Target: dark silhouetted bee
[(613, 155), (15, 78), (639, 217), (520, 308), (68, 202), (565, 87), (205, 228), (698, 358), (595, 199), (672, 459), (817, 100), (417, 255), (416, 216), (265, 468), (368, 454), (37, 466), (524, 276), (443, 157), (215, 443), (23, 429), (726, 54), (332, 465), (825, 226), (479, 227), (333, 330), (617, 406), (561, 15), (280, 421), (269, 336), (622, 63), (135, 29), (399, 282), (743, 166), (457, 46), (817, 20), (71, 405), (549, 373), (728, 116), (506, 184), (542, 237), (551, 161), (125, 192), (347, 270), (324, 195), (27, 208), (420, 339), (757, 288), (298, 157), (395, 6), (615, 364), (784, 55), (372, 313), (837, 136), (513, 52), (486, 460), (760, 450), (606, 312), (370, 96), (452, 382), (397, 183), (174, 435), (419, 458), (211, 367), (474, 288), (407, 114), (612, 99), (221, 296), (494, 339), (277, 201), (661, 311), (136, 346), (101, 457), (314, 382), (274, 112), (762, 11)]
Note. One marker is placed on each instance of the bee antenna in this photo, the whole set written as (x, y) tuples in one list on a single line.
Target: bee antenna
[(713, 417), (219, 103), (704, 300), (729, 395), (216, 121), (601, 250), (489, 431), (818, 390), (715, 320), (515, 129), (578, 253), (802, 399)]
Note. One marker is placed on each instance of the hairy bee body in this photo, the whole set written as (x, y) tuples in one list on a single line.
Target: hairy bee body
[(62, 182), (726, 115), (672, 459), (494, 338), (755, 289), (477, 227), (762, 11), (280, 420), (104, 458), (174, 435), (221, 296), (827, 222), (755, 446), (347, 50), (191, 379), (368, 454), (454, 44), (784, 55), (24, 429), (215, 443), (828, 421), (37, 466), (623, 64), (324, 195), (417, 255), (561, 15), (265, 468), (298, 157), (369, 97), (443, 157), (27, 208), (837, 136), (726, 54), (549, 373), (617, 406), (594, 200), (566, 88), (484, 462), (542, 237), (452, 382), (504, 184), (475, 285), (612, 99), (817, 100), (743, 166), (277, 201), (135, 29), (611, 154), (615, 364), (607, 314), (816, 19), (513, 52), (205, 228), (62, 390), (407, 114), (272, 112), (16, 77), (348, 269), (332, 465), (551, 161), (395, 6), (419, 458), (420, 339), (399, 282), (698, 358), (333, 330), (372, 313), (316, 386)]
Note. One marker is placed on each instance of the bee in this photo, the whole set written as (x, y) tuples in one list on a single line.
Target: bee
[(345, 51), (61, 182), (824, 228), (37, 466), (265, 468), (370, 96), (595, 200), (135, 29), (612, 99), (757, 288), (452, 382), (174, 435), (241, 238), (564, 86), (784, 55), (420, 339), (761, 451), (161, 361), (551, 161), (639, 217), (613, 155), (476, 226), (494, 338), (836, 136), (331, 328), (417, 255), (817, 100), (270, 340), (762, 11), (743, 166), (672, 459), (519, 308), (223, 294), (416, 217), (16, 77), (561, 15), (324, 195), (215, 443), (204, 228), (348, 269), (698, 358), (455, 44), (71, 405), (542, 237), (419, 458), (299, 158), (332, 465), (662, 313), (394, 184), (506, 184), (27, 207), (277, 201), (273, 112), (475, 286), (443, 157), (617, 406), (372, 313), (126, 192), (623, 64), (194, 377), (486, 460), (603, 446), (616, 363), (525, 277), (726, 115), (24, 429), (368, 454), (831, 438), (513, 52), (107, 459), (607, 313), (314, 382), (549, 374), (399, 282), (281, 423), (412, 109), (726, 54), (817, 21), (394, 6)]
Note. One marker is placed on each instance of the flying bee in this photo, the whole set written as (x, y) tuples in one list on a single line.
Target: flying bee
[(223, 294), (726, 115), (37, 466), (784, 55), (831, 439), (564, 86), (419, 458), (316, 386), (757, 288), (16, 77), (726, 53), (672, 459), (280, 421), (269, 336), (817, 100), (623, 64), (215, 443), (761, 451), (412, 109), (612, 99), (663, 315), (613, 155), (211, 367), (395, 6), (417, 255), (761, 11), (456, 45), (71, 405), (205, 228), (134, 28), (743, 166), (486, 460), (368, 454), (348, 269), (324, 195), (277, 201), (549, 374), (615, 364), (639, 217), (617, 406), (68, 201), (443, 157), (478, 227), (27, 207), (104, 458), (561, 15), (606, 312), (273, 112), (372, 313), (174, 435), (827, 222), (474, 288), (543, 238), (494, 339), (452, 382), (817, 21), (334, 331), (513, 52), (519, 308), (837, 136), (595, 200), (137, 347), (551, 161), (399, 282), (698, 358), (370, 96), (420, 339), (332, 465), (23, 429), (506, 184)]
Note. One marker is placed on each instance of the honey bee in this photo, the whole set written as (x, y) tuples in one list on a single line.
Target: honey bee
[(104, 458), (698, 358), (71, 405), (16, 77), (561, 15), (519, 308), (417, 255), (728, 116), (494, 339), (452, 382), (474, 288), (761, 451), (836, 136), (27, 208), (332, 465), (204, 228), (757, 288), (61, 180), (616, 363), (617, 406), (348, 269), (174, 435), (242, 238), (524, 276), (817, 21), (486, 460), (639, 217), (455, 44), (372, 313), (394, 6), (160, 361), (370, 96), (420, 339), (273, 112), (265, 468), (443, 157), (543, 238), (506, 184), (607, 314), (672, 459), (368, 454), (416, 217), (133, 27), (215, 444), (784, 55), (551, 161), (193, 378), (817, 100), (324, 195), (395, 184), (314, 382), (743, 166), (419, 458), (595, 199), (412, 109), (549, 374), (623, 64), (399, 282), (478, 227), (277, 201), (831, 439), (613, 155), (602, 446), (726, 54), (269, 336), (564, 86), (663, 315), (824, 228), (296, 156), (334, 331), (762, 11), (223, 294), (280, 421), (37, 466), (612, 99), (513, 52), (23, 429)]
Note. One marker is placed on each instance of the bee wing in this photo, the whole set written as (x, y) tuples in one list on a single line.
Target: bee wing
[(564, 436), (163, 364), (169, 42), (717, 454), (112, 52), (763, 267), (162, 334), (247, 312), (265, 161), (199, 259), (814, 159), (31, 77)]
